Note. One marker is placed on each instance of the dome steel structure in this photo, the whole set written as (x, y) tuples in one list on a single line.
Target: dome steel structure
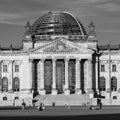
[(57, 23)]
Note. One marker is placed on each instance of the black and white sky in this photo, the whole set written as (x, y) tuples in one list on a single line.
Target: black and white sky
[(15, 13)]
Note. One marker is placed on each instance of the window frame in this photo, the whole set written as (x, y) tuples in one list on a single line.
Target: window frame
[(5, 68), (102, 80), (16, 68), (16, 84), (114, 83), (5, 84), (102, 68), (114, 68)]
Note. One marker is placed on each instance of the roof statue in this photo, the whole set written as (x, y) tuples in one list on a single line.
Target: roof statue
[(91, 33), (27, 34)]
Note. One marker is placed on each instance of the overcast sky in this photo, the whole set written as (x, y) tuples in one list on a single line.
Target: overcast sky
[(15, 13)]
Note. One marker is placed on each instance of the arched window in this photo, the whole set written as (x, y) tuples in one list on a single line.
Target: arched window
[(4, 84), (102, 84), (16, 84), (113, 83)]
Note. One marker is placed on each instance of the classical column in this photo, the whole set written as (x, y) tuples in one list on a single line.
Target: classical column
[(89, 76), (0, 76), (66, 90), (30, 74), (10, 83), (54, 91), (96, 72), (38, 76), (78, 77), (85, 76), (42, 86)]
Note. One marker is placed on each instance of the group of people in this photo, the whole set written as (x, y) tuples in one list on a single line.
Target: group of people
[(41, 107), (23, 105), (99, 105)]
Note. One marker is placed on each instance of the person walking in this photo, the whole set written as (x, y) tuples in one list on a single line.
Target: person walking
[(100, 105)]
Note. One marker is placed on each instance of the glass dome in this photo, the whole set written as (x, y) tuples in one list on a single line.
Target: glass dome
[(57, 23)]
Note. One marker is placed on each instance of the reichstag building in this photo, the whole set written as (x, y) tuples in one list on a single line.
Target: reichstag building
[(59, 62)]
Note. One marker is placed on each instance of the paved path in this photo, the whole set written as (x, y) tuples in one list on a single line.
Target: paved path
[(84, 113)]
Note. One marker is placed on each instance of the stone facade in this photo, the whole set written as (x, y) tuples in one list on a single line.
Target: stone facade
[(59, 64)]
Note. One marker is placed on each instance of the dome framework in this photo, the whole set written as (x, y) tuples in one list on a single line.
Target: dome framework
[(57, 23)]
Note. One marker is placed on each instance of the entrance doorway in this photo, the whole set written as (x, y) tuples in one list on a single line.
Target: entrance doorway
[(48, 76), (60, 75)]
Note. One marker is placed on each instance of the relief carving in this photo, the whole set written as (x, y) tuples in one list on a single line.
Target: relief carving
[(60, 47)]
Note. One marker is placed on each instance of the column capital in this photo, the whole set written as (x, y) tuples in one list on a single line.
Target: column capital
[(89, 60), (11, 61), (78, 59), (39, 62), (42, 60), (1, 61), (67, 59), (54, 59), (30, 60)]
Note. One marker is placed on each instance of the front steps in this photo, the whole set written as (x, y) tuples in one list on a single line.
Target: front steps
[(61, 99)]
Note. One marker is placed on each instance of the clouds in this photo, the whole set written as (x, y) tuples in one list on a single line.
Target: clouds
[(71, 1), (112, 31), (111, 7), (10, 18), (19, 11), (104, 13)]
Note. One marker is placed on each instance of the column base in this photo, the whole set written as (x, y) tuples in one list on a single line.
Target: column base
[(91, 95), (89, 91), (10, 91), (97, 91), (30, 91), (67, 92), (54, 92), (118, 90), (42, 92), (78, 91)]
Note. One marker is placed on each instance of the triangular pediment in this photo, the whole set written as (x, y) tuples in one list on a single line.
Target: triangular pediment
[(61, 45)]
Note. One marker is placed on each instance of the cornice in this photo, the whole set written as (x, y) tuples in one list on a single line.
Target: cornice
[(13, 53), (58, 53)]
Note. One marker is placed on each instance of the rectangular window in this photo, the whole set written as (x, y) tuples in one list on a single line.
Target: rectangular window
[(4, 68), (113, 68), (16, 68), (102, 68)]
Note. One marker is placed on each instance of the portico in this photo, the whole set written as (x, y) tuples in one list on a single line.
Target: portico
[(62, 76)]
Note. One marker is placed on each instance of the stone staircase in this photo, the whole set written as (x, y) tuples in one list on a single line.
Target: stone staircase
[(62, 99)]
